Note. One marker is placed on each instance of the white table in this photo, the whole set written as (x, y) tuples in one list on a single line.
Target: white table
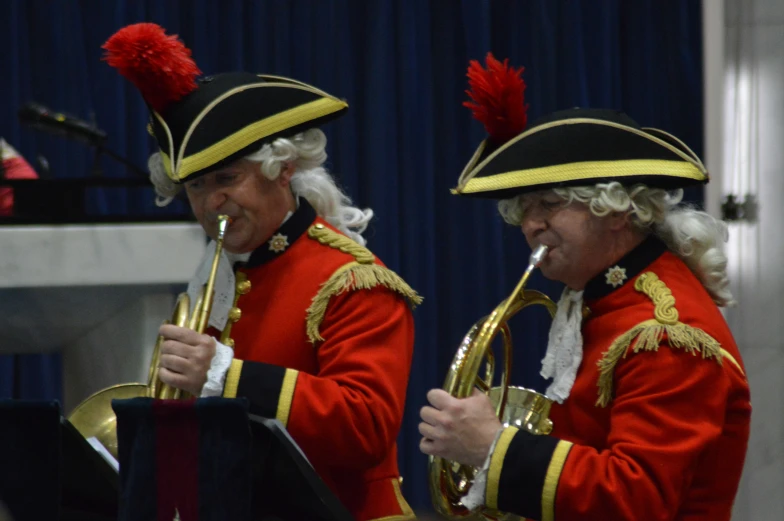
[(96, 293)]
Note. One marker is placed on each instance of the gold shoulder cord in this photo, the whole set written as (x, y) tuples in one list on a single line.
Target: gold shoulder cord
[(647, 335), (363, 273)]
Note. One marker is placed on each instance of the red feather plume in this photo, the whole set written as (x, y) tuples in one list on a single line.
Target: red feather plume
[(160, 66), (498, 98)]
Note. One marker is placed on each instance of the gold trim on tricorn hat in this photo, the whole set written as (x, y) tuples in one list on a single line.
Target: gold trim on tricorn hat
[(202, 125), (567, 148)]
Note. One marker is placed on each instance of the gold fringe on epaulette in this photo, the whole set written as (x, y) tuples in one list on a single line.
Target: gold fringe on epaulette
[(354, 276), (647, 335)]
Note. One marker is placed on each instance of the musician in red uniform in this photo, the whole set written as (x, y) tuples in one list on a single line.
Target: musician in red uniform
[(651, 405), (314, 330)]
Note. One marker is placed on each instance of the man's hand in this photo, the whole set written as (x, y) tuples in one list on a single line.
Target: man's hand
[(460, 430), (185, 358)]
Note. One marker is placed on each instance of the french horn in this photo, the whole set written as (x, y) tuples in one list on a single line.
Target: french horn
[(524, 408), (94, 417)]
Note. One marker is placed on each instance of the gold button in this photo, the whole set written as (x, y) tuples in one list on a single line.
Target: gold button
[(243, 287), (319, 226), (229, 342), (235, 314)]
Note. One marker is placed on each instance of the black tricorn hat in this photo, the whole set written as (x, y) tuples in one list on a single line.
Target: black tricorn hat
[(202, 125), (574, 147)]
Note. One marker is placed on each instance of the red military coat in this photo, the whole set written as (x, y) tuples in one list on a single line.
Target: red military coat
[(324, 344), (657, 423)]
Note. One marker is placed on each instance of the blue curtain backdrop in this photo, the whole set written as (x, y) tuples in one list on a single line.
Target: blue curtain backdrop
[(401, 65)]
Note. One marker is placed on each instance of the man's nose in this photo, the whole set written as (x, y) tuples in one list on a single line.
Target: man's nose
[(215, 200), (533, 224)]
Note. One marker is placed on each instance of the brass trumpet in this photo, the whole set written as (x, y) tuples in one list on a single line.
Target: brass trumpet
[(95, 416), (523, 408)]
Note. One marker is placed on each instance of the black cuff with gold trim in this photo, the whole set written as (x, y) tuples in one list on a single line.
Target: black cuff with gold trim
[(522, 479), (268, 388), (261, 384)]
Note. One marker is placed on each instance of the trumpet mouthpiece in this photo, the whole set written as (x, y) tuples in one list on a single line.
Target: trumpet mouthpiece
[(223, 223), (538, 255)]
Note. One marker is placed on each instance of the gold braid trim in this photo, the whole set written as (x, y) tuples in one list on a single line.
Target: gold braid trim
[(353, 276), (362, 274), (647, 335), (660, 294), (340, 242)]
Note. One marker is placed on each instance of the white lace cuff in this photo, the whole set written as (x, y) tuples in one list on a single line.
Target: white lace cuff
[(476, 494), (219, 366)]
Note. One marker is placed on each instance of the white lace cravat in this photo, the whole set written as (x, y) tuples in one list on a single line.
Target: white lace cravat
[(564, 346), (224, 281), (224, 284)]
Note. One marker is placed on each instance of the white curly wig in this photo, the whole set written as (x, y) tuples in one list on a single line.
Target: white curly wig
[(693, 235), (307, 151)]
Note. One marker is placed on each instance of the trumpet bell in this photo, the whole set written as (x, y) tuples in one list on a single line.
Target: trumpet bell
[(94, 417)]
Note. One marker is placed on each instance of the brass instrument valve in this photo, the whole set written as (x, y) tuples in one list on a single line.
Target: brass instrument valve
[(242, 287)]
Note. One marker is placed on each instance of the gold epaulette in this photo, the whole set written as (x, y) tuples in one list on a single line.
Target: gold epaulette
[(647, 335), (363, 273)]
